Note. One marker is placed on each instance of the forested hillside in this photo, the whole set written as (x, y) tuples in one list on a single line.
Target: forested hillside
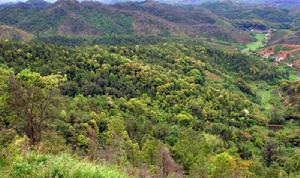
[(156, 110), (70, 22), (66, 21)]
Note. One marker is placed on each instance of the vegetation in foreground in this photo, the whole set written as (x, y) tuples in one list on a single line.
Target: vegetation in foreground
[(31, 164)]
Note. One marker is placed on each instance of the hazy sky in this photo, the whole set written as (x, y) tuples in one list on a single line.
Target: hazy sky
[(6, 1), (105, 1), (114, 1)]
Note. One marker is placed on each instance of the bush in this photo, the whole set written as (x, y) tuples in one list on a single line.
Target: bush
[(7, 136), (53, 143)]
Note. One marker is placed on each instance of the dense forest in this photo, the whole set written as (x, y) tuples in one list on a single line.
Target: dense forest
[(169, 110)]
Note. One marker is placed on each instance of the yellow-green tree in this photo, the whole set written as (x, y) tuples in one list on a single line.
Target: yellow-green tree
[(32, 97)]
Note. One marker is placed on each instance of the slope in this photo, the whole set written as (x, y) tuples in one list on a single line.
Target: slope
[(14, 34)]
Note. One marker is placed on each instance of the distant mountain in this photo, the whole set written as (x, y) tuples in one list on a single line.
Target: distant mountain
[(38, 3), (122, 1), (284, 3), (92, 19), (186, 2), (194, 2), (27, 4), (225, 21), (4, 5), (279, 3)]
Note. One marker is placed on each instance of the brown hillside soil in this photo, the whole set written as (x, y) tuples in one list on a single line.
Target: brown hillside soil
[(73, 25), (294, 52), (293, 39), (146, 23), (267, 51), (212, 76)]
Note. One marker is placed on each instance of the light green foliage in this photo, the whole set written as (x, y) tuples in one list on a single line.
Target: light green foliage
[(259, 37), (150, 153), (184, 119), (32, 98), (35, 79), (213, 143), (188, 155), (41, 166), (120, 143), (264, 91), (24, 163), (5, 74), (82, 141), (227, 166), (259, 135)]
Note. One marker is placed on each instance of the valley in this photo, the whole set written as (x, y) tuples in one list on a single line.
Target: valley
[(259, 43)]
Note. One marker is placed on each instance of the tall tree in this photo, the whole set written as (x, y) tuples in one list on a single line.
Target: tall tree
[(31, 97)]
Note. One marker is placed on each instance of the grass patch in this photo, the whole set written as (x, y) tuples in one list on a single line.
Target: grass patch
[(64, 166), (279, 48), (297, 149), (265, 94), (255, 45), (3, 168), (294, 75)]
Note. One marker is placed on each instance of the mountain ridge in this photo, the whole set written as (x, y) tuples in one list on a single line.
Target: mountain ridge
[(225, 21), (193, 2), (73, 18)]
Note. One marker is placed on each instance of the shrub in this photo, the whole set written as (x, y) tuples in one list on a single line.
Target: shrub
[(63, 166)]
